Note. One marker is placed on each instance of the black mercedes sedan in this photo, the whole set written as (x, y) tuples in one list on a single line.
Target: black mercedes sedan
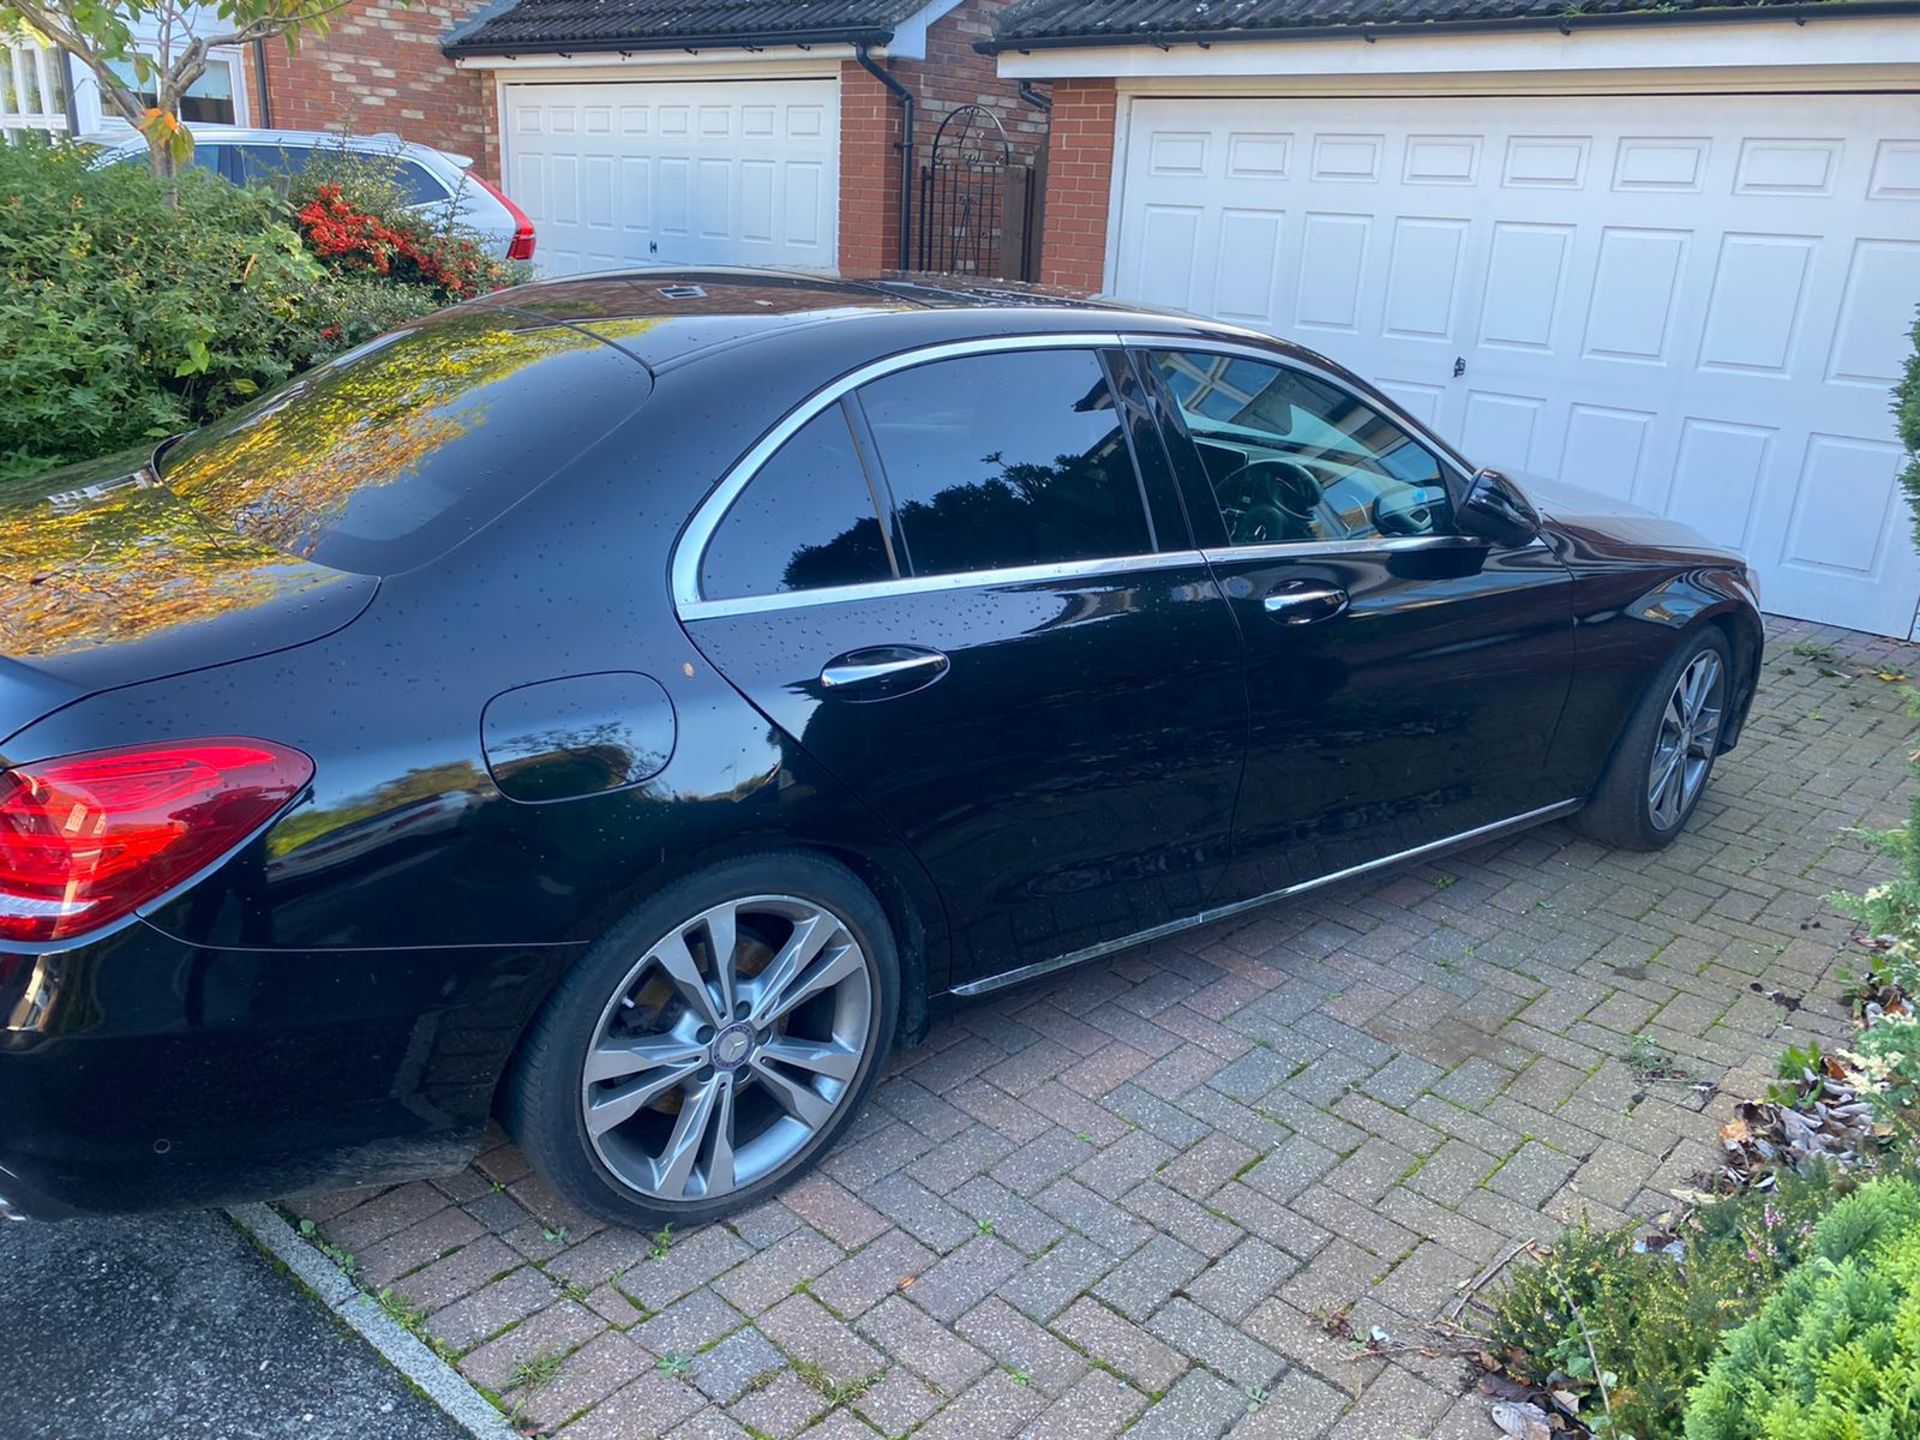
[(625, 704)]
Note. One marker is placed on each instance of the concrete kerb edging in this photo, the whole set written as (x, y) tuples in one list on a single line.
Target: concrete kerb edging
[(439, 1381)]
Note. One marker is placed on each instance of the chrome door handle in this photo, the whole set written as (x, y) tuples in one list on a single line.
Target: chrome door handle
[(1300, 602), (888, 669)]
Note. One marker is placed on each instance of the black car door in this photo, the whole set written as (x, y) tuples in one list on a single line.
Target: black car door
[(1404, 680), (953, 583)]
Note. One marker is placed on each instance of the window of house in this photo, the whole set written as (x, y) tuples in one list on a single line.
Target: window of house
[(1293, 457), (807, 519), (1009, 459), (208, 101)]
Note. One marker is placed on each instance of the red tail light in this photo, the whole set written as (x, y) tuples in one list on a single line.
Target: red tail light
[(521, 247), (86, 839)]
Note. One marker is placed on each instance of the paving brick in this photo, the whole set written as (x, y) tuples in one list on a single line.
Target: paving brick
[(492, 1308), (1242, 1278), (690, 1262), (419, 1245), (834, 1211), (553, 1331), (898, 1402), (861, 1281), (1014, 1219), (1299, 1406), (1015, 1343), (921, 1343), (731, 1368), (1140, 1286), (1118, 1342), (1096, 1408), (1044, 1287), (461, 1273), (1097, 1218), (1199, 1407), (998, 1407), (809, 1333), (964, 1278), (651, 1405), (589, 1375), (770, 1276), (689, 1325), (1213, 1342), (939, 1226), (781, 1408)]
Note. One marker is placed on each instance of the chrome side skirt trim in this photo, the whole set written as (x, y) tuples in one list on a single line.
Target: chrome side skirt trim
[(1221, 912)]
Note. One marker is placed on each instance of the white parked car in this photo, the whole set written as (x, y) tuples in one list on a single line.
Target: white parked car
[(434, 181)]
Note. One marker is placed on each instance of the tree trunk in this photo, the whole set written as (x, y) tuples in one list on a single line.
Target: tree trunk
[(165, 168)]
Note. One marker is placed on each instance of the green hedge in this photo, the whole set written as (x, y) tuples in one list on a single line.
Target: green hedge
[(123, 319), (1835, 1355)]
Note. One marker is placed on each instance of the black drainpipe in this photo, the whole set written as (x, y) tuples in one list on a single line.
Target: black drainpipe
[(265, 122), (905, 97), (1034, 98)]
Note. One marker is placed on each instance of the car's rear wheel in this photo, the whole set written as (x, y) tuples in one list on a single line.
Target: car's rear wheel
[(1662, 762), (712, 1045)]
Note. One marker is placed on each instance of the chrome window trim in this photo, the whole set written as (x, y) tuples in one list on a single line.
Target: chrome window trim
[(932, 584), (1360, 545), (1446, 843), (691, 549)]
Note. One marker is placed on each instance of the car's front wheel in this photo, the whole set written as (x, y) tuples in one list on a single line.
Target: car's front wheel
[(1661, 764), (712, 1045)]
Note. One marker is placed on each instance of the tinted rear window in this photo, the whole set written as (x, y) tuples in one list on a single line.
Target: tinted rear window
[(392, 454)]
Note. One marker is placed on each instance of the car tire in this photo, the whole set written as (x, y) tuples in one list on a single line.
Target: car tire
[(1664, 758), (634, 1170)]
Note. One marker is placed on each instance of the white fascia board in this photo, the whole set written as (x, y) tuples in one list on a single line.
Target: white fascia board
[(734, 61), (910, 35), (1707, 45)]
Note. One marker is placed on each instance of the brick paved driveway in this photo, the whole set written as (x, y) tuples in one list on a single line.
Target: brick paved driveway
[(1125, 1200)]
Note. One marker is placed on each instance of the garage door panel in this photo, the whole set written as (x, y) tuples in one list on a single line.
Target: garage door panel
[(1701, 314), (1717, 479), (741, 173), (1872, 339)]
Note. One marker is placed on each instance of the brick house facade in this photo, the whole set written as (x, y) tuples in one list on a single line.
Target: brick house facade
[(382, 68)]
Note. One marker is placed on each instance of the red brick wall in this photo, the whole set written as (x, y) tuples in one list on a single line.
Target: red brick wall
[(952, 75), (869, 173), (379, 70), (1079, 183)]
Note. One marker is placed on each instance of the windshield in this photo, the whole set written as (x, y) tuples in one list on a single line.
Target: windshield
[(392, 454)]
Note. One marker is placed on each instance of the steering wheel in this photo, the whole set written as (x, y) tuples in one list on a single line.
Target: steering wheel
[(1406, 512), (1268, 501)]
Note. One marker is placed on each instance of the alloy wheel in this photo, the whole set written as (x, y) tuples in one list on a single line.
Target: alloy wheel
[(729, 1046), (1689, 732)]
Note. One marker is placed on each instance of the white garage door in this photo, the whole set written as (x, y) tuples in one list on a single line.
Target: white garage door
[(706, 173), (1695, 303)]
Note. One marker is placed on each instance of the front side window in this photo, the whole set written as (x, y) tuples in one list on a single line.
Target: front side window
[(806, 520), (1292, 457), (1008, 459)]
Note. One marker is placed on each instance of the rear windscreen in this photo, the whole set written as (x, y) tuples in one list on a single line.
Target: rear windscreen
[(394, 453)]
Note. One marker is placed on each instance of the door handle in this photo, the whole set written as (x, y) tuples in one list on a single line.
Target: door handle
[(882, 671), (1300, 602)]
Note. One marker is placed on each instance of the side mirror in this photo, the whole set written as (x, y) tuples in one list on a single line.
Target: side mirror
[(1495, 510)]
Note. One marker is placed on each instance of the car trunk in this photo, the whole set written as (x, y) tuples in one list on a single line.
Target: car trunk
[(108, 578)]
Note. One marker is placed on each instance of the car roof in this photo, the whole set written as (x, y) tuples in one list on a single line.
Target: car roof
[(382, 143), (667, 317)]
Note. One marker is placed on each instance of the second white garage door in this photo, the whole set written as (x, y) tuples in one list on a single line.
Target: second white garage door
[(704, 173), (1694, 303)]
